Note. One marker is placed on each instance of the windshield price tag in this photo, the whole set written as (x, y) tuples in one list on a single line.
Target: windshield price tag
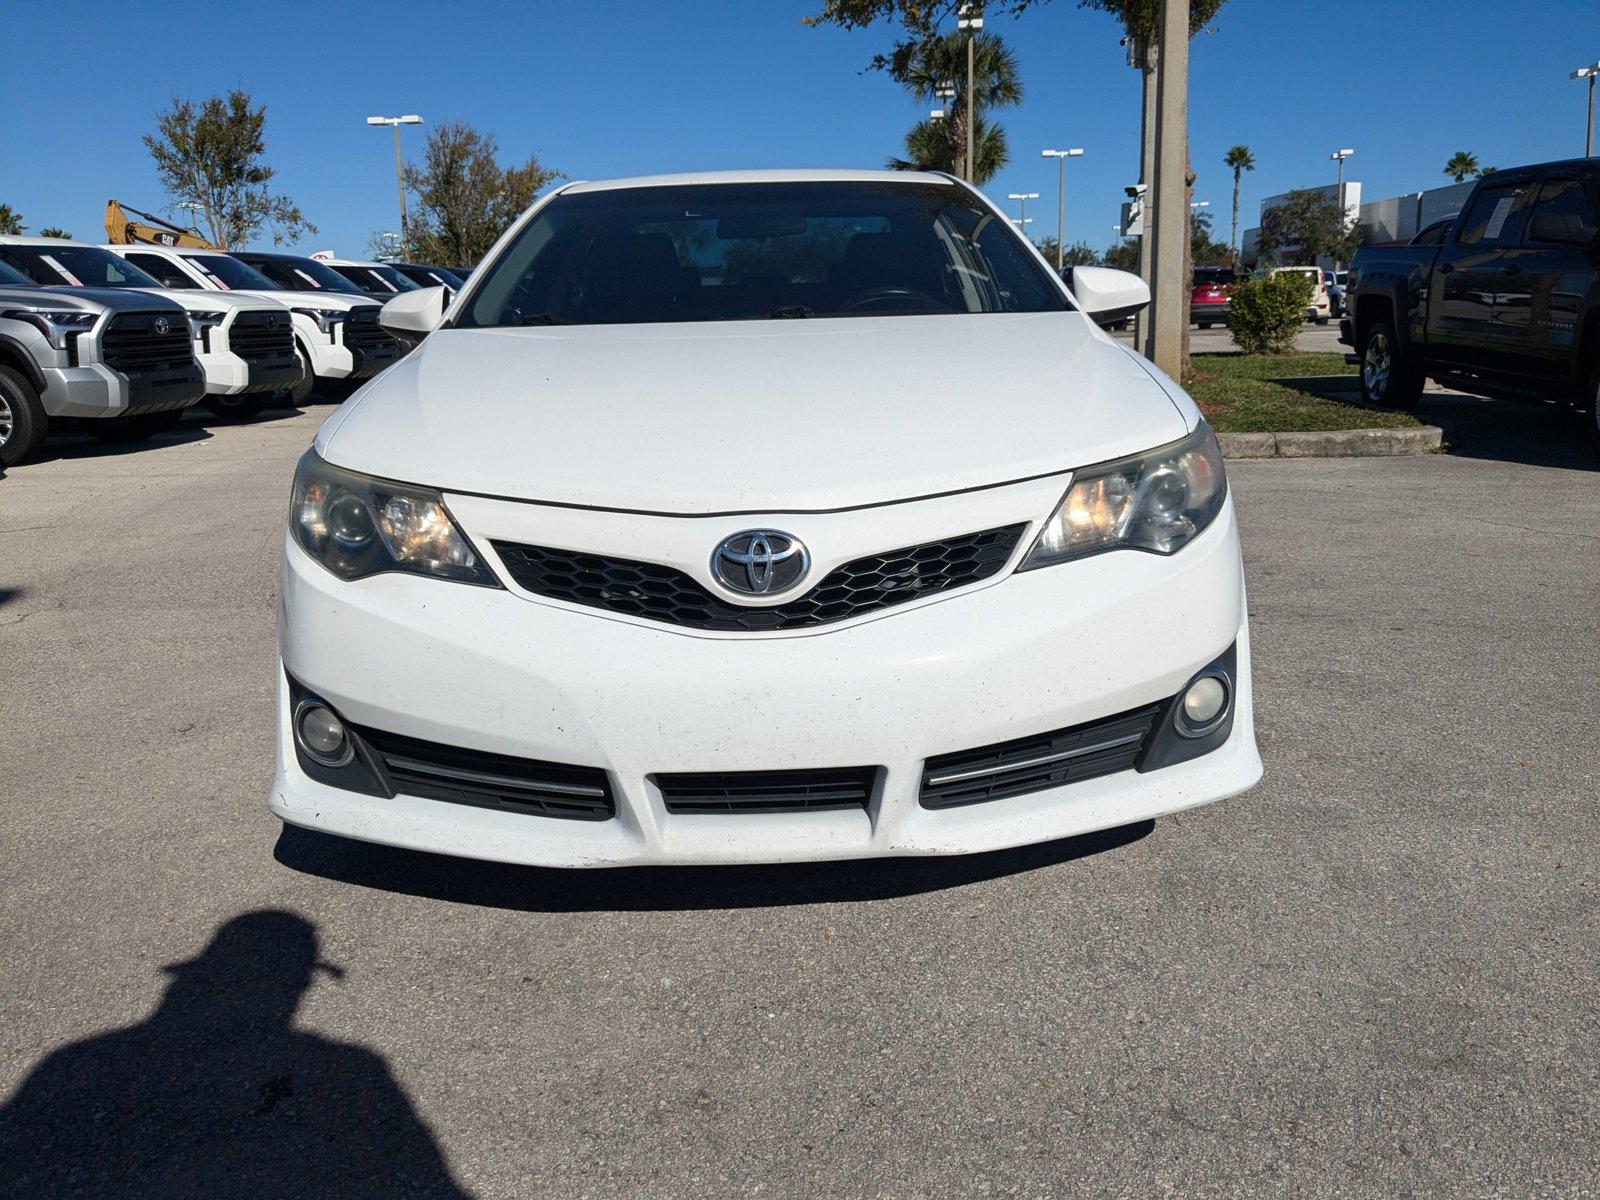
[(62, 271), (1497, 219)]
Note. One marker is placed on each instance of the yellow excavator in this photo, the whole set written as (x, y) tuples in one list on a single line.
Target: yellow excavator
[(121, 231)]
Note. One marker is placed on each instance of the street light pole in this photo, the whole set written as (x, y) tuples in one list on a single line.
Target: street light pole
[(1588, 73), (399, 172), (970, 18), (1339, 156), (1061, 157), (1022, 199)]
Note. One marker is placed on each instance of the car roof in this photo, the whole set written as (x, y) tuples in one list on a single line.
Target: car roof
[(798, 176), (15, 239)]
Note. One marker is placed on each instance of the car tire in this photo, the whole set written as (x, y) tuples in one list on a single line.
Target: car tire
[(301, 391), (23, 421), (1390, 378), (1205, 324), (236, 408), (122, 430)]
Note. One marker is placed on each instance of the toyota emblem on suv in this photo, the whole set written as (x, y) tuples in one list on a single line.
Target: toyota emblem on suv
[(760, 562), (163, 325)]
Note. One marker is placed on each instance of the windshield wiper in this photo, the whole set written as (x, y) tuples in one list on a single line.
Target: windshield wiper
[(543, 319), (791, 312)]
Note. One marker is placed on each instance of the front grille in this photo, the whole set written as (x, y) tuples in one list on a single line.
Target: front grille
[(362, 332), (662, 593), (768, 791), (1033, 764), (485, 780), (261, 336), (132, 343)]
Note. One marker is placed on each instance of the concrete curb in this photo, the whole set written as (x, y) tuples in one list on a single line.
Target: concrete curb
[(1333, 443)]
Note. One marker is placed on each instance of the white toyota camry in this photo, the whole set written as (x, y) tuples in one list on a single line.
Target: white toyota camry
[(755, 517)]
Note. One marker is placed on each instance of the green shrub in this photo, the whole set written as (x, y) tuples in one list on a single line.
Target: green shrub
[(1266, 312)]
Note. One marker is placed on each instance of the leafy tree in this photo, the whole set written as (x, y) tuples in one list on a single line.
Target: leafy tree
[(1306, 225), (1238, 160), (941, 144), (1461, 165), (1124, 255), (53, 231), (464, 198), (1265, 314), (211, 153), (1203, 248), (10, 220), (1142, 18), (1077, 254)]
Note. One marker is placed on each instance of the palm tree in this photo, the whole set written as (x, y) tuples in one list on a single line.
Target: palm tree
[(941, 144), (1461, 165), (10, 222), (1239, 160)]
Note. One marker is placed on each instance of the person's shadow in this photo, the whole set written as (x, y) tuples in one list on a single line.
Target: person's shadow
[(218, 1094)]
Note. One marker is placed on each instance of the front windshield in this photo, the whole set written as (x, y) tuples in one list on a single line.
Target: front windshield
[(758, 251), (306, 275), (379, 279), (75, 266), (11, 277), (231, 274)]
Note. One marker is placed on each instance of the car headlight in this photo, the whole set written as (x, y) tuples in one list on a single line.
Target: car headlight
[(355, 526), (202, 323), (58, 327), (327, 319), (1158, 502)]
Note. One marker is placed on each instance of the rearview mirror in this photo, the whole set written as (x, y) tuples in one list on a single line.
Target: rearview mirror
[(414, 314), (1107, 294), (1563, 229)]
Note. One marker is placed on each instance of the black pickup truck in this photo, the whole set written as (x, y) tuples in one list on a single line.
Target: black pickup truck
[(1505, 304)]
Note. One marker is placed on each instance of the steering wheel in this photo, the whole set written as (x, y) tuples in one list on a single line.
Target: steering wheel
[(884, 295)]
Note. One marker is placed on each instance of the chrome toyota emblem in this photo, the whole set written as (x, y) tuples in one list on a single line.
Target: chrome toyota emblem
[(163, 325), (760, 562)]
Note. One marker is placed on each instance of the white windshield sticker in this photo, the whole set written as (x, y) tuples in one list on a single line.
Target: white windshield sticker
[(62, 271), (221, 287), (1497, 219), (315, 286)]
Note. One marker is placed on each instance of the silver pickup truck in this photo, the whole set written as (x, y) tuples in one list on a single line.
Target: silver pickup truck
[(119, 361)]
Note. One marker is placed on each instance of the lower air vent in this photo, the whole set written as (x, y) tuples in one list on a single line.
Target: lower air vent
[(768, 791), (476, 777), (1032, 764)]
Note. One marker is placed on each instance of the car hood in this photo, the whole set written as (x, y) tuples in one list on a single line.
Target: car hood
[(332, 301), (194, 300), (761, 416), (88, 299)]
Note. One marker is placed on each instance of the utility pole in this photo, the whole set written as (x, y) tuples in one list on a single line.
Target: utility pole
[(399, 171), (1146, 56), (1170, 189), (1339, 156), (1061, 157), (970, 18), (1022, 199), (1588, 73)]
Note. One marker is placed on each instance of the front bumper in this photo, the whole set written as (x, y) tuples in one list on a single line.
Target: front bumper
[(97, 391), (502, 672), (228, 374)]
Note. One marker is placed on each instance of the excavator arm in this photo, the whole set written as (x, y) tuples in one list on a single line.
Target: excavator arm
[(121, 231)]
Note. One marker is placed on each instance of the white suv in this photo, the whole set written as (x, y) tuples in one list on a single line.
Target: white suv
[(333, 358), (243, 343), (761, 516)]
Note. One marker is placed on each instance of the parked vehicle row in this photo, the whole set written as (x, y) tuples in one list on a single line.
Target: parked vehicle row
[(124, 338), (1502, 301)]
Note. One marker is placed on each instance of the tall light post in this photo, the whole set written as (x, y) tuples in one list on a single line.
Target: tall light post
[(1022, 199), (191, 207), (1588, 73), (1061, 157), (1339, 156), (970, 18), (399, 171)]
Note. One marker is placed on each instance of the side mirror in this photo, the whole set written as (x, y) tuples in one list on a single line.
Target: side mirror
[(1563, 229), (414, 315), (1106, 294)]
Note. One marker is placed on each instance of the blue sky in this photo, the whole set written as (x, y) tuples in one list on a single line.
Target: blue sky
[(635, 86)]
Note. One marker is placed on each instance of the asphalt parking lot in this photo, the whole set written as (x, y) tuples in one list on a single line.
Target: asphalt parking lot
[(1376, 974)]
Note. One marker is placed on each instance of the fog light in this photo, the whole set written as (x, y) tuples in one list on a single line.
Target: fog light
[(1205, 702), (321, 734)]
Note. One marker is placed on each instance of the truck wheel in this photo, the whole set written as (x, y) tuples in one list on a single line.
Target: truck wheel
[(236, 408), (135, 429), (23, 421), (301, 390), (1389, 376)]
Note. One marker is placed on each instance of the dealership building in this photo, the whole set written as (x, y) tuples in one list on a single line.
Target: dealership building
[(1395, 219)]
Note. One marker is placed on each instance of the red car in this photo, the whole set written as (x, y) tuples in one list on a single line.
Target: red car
[(1208, 299)]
